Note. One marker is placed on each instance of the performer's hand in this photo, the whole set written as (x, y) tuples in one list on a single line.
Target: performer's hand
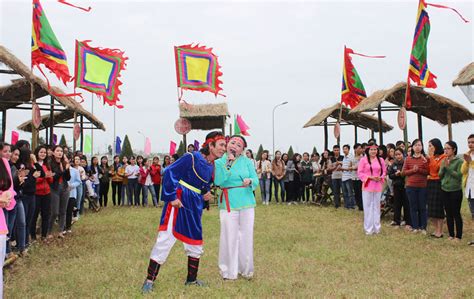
[(207, 196), (247, 182), (176, 203)]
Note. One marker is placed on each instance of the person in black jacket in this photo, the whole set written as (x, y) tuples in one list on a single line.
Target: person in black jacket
[(59, 189), (398, 182), (29, 171)]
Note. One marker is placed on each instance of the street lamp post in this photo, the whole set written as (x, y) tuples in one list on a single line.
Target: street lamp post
[(273, 124)]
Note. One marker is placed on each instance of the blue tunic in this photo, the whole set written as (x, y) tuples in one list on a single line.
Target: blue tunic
[(189, 179)]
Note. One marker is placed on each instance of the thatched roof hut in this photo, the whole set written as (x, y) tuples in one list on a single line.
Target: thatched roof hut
[(19, 92), (205, 116), (357, 119), (427, 104), (466, 76)]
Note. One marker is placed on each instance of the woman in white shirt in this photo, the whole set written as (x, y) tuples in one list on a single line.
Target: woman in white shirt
[(133, 191)]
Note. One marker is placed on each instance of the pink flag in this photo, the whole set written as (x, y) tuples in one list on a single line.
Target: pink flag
[(147, 146), (243, 126), (15, 137), (172, 148)]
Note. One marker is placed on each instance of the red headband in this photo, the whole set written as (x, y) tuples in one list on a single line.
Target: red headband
[(374, 146), (211, 140)]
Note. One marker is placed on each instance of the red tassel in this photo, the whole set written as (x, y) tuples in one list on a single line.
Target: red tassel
[(443, 6), (407, 95), (81, 8)]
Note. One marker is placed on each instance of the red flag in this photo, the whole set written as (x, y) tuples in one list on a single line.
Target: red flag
[(172, 148)]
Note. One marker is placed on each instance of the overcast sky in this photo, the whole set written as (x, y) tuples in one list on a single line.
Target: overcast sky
[(270, 51)]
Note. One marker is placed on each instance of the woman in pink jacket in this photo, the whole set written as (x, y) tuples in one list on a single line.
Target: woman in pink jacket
[(371, 172), (7, 201)]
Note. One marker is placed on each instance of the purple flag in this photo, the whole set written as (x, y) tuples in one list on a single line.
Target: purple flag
[(196, 145)]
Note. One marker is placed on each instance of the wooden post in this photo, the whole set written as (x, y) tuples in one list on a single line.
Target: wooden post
[(355, 134), (223, 124), (51, 121), (82, 134), (230, 129), (450, 128), (73, 133), (379, 112), (420, 126), (34, 130), (372, 134), (4, 124), (325, 134), (185, 143)]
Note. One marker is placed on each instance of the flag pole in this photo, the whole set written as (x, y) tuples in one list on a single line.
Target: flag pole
[(92, 125), (114, 150)]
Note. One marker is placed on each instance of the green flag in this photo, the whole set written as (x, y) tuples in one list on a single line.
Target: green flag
[(87, 144)]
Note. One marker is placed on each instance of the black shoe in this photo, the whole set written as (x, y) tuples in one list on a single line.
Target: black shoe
[(197, 282)]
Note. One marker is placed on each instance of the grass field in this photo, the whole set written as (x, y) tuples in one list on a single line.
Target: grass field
[(300, 251)]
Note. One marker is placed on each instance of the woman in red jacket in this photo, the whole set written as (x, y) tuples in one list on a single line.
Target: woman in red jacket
[(156, 176), (43, 194)]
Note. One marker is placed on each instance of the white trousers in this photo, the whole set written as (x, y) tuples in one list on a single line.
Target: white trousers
[(236, 243), (165, 242), (371, 201), (3, 248)]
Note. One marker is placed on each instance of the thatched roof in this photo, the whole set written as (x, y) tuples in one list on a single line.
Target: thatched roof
[(205, 116), (466, 76), (19, 91), (429, 105), (359, 119)]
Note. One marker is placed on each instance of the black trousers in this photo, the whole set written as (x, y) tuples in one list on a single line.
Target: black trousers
[(401, 201), (43, 206), (358, 193), (287, 194), (70, 208), (452, 206), (116, 192), (157, 188), (104, 193)]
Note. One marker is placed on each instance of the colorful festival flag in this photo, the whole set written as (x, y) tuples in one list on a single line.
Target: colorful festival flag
[(87, 144), (418, 70), (15, 137), (118, 145), (147, 149), (172, 148), (240, 127), (98, 70), (45, 47), (197, 68), (353, 91)]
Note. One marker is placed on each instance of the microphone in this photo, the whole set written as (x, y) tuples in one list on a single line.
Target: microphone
[(229, 162)]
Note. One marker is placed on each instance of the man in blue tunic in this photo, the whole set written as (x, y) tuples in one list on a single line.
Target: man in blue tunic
[(185, 187)]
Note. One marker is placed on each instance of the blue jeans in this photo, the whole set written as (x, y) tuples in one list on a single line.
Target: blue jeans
[(80, 190), (279, 184), (122, 196), (336, 191), (132, 194), (145, 189), (11, 218), (417, 200), (25, 212), (265, 188), (348, 192)]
